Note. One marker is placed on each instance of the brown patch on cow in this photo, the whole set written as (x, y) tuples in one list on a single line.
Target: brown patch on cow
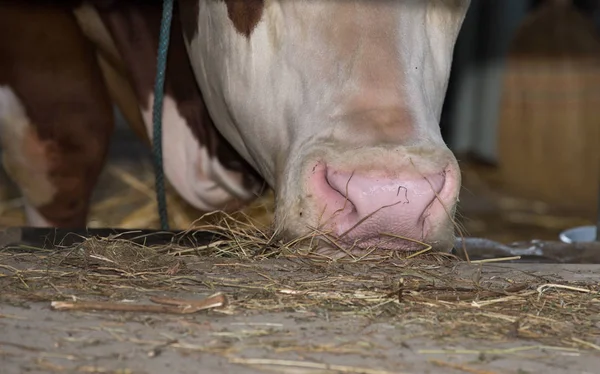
[(111, 64), (69, 115), (188, 11), (123, 95), (135, 28), (94, 29), (245, 14)]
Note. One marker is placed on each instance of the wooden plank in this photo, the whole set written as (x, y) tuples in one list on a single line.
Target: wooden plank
[(53, 238)]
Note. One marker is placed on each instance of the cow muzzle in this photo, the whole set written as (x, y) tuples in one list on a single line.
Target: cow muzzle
[(394, 207)]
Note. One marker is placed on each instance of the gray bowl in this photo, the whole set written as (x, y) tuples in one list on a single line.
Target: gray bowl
[(579, 234)]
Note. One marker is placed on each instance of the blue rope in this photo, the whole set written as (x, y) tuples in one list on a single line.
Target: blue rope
[(157, 110)]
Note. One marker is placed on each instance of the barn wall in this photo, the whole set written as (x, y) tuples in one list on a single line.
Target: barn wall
[(472, 107), (475, 90)]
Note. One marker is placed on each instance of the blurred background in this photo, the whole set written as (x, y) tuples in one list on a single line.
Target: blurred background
[(522, 114)]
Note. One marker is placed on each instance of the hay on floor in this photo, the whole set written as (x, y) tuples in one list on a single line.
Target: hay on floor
[(424, 292)]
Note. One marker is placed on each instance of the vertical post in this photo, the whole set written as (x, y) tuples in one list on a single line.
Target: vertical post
[(598, 215), (595, 8)]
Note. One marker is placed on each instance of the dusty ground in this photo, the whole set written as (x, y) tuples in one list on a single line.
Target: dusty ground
[(288, 315)]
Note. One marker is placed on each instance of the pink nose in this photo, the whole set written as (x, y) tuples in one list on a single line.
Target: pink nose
[(360, 208)]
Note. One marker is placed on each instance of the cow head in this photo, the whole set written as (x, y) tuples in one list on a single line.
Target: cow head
[(336, 103)]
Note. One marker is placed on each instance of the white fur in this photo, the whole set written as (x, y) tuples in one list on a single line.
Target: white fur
[(187, 164), (28, 168), (34, 218)]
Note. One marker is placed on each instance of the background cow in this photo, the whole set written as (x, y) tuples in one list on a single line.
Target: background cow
[(56, 117)]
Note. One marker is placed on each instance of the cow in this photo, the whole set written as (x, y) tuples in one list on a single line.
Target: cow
[(334, 104), (58, 79)]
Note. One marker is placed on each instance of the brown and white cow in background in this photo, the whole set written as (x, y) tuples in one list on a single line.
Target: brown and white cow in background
[(335, 103), (62, 66)]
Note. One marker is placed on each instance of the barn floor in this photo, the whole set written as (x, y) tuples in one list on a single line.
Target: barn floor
[(289, 316), (286, 315)]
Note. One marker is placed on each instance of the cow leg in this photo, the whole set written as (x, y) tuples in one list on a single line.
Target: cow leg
[(55, 114)]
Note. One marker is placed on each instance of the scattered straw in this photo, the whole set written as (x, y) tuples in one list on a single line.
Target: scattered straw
[(587, 344), (501, 259), (545, 287), (264, 274), (463, 368), (499, 352), (169, 305), (308, 365)]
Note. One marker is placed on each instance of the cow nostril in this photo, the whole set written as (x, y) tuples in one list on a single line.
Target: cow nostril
[(342, 190)]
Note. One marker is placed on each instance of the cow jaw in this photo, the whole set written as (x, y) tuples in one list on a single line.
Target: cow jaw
[(337, 105)]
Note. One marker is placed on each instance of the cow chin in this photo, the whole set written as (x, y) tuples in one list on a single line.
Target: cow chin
[(367, 199)]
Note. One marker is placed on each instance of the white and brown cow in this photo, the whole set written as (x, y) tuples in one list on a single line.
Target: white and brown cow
[(335, 103), (62, 66)]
